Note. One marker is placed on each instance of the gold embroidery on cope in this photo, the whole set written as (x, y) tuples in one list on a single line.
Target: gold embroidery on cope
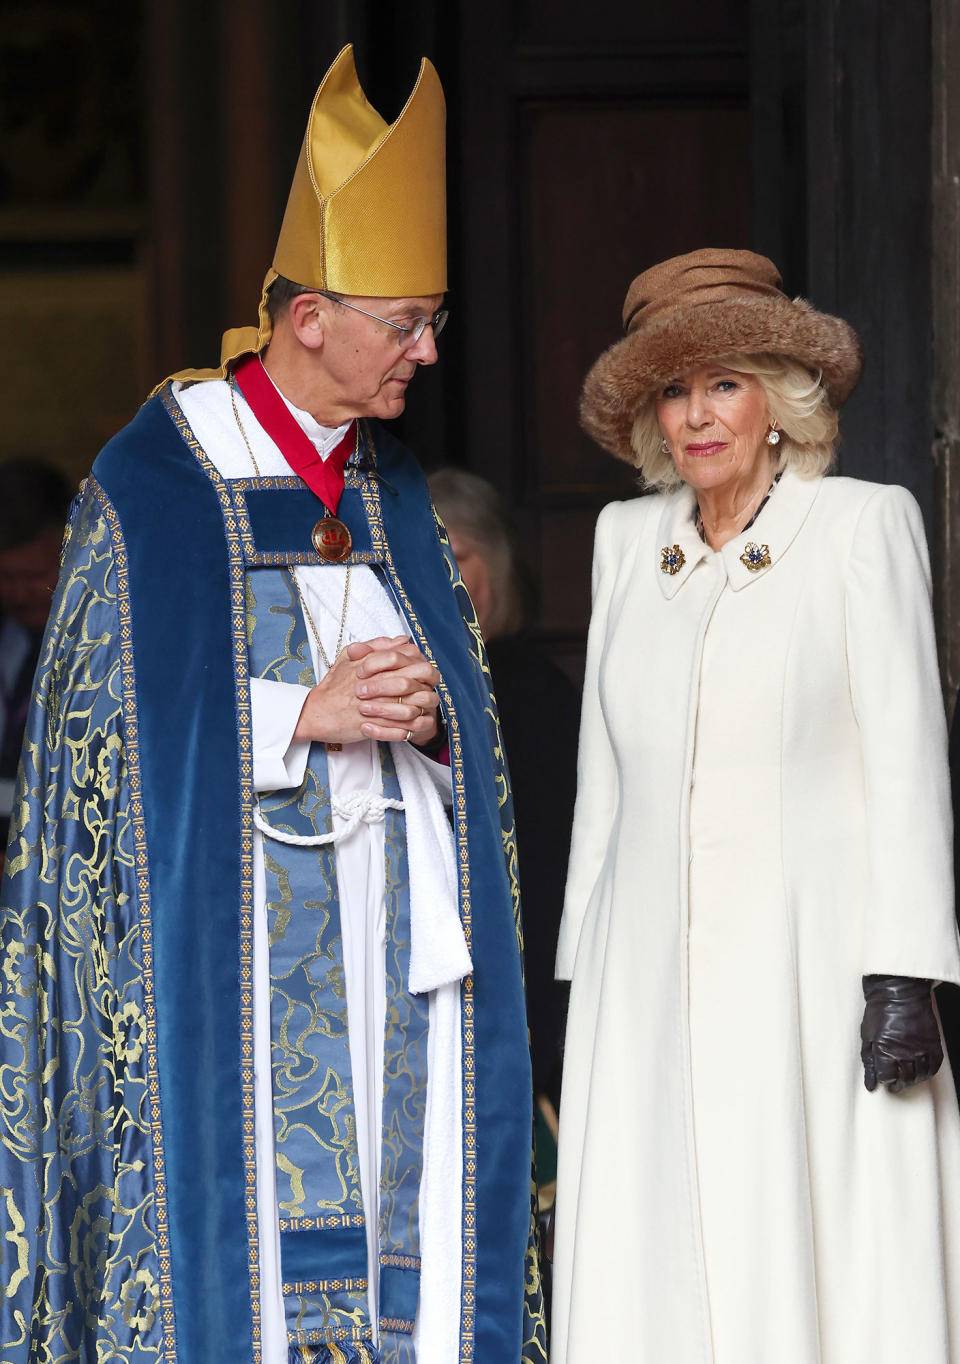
[(162, 1299), (401, 1261), (238, 631)]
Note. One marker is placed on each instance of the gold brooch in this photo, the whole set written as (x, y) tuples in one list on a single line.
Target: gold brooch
[(755, 557), (672, 559)]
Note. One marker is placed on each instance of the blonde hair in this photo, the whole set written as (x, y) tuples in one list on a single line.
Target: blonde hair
[(796, 401)]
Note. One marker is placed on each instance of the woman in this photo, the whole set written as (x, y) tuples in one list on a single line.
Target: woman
[(761, 840)]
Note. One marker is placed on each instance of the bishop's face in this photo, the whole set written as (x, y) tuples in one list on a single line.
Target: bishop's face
[(361, 355)]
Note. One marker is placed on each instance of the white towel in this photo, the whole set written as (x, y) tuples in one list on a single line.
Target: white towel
[(438, 949)]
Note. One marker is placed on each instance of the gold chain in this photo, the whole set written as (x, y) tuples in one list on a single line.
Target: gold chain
[(232, 385), (313, 624), (303, 605)]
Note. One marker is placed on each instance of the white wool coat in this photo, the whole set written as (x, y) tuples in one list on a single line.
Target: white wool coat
[(763, 817)]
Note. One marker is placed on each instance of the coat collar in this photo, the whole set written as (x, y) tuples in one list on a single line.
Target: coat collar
[(680, 547)]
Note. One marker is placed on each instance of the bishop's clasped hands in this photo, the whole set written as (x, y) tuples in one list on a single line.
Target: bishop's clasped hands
[(383, 689)]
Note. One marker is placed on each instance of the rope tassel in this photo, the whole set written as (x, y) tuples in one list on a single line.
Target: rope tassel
[(358, 1352), (366, 807)]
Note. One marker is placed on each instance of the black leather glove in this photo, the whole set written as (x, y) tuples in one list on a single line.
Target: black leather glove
[(900, 1037)]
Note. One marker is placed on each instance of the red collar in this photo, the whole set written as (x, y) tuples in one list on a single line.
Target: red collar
[(324, 477)]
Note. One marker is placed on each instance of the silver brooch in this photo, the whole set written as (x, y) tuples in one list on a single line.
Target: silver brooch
[(672, 559), (755, 557)]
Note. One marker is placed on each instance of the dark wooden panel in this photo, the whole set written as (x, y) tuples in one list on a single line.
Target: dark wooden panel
[(566, 547), (629, 72), (594, 142), (946, 332), (778, 132), (892, 206), (868, 152), (611, 21), (841, 141), (609, 190), (84, 327), (253, 198), (69, 105), (72, 163), (185, 187), (484, 291)]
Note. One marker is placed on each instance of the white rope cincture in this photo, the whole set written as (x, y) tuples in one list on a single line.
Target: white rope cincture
[(362, 807)]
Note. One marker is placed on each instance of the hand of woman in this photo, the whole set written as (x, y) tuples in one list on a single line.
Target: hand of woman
[(900, 1037)]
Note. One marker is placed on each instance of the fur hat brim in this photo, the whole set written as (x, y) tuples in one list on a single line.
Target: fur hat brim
[(630, 371)]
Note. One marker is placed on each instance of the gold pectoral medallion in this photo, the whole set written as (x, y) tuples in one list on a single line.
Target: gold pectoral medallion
[(331, 539)]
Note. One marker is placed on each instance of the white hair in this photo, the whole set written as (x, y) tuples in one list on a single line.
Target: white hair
[(796, 401)]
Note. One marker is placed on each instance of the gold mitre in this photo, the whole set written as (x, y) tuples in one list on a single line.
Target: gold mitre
[(367, 208), (366, 212)]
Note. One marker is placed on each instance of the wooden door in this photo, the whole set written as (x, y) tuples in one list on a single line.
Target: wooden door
[(593, 142)]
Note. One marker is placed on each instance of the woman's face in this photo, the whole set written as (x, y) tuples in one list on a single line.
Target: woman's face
[(715, 421)]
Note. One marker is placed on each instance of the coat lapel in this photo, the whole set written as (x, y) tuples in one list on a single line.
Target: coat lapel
[(773, 531), (679, 548)]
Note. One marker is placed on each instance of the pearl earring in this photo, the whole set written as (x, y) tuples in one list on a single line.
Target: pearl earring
[(773, 436)]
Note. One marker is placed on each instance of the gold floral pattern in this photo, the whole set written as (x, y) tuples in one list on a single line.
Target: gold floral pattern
[(129, 1032), (75, 1126), (139, 1300)]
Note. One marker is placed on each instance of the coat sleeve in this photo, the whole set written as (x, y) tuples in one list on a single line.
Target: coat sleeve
[(910, 927), (79, 1273), (597, 779)]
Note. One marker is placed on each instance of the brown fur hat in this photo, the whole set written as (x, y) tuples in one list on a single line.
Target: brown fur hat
[(706, 306)]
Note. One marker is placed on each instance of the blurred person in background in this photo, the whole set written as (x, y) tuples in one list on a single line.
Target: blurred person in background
[(538, 705), (34, 502)]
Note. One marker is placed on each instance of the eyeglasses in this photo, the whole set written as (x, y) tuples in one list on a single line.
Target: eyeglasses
[(409, 332)]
